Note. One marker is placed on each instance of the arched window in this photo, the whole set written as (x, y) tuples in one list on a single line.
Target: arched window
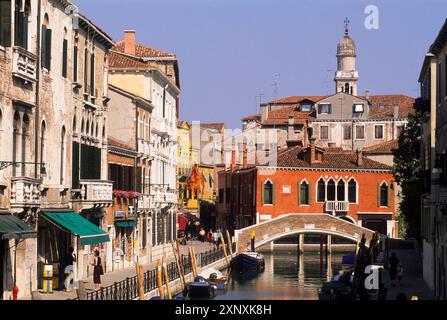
[(65, 55), (304, 193), (384, 195), (16, 142), (352, 191), (97, 131), (321, 191), (74, 123), (43, 130), (62, 160), (82, 126), (46, 43), (268, 193), (104, 132), (22, 11), (25, 135), (341, 190), (331, 190), (347, 87), (87, 128)]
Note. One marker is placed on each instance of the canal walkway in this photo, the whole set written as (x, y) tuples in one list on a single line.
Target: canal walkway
[(412, 283), (119, 275)]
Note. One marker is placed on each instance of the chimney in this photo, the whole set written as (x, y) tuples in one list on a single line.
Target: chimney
[(367, 95), (359, 161), (290, 130), (396, 111), (312, 150), (244, 157), (233, 160), (129, 42)]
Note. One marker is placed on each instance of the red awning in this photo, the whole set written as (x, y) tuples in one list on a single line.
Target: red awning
[(182, 221)]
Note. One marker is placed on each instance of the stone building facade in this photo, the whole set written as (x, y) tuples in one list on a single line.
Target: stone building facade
[(45, 167)]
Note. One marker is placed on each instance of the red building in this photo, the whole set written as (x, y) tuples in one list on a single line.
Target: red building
[(310, 180)]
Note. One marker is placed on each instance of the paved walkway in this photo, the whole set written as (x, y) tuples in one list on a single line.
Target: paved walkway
[(119, 275), (412, 283)]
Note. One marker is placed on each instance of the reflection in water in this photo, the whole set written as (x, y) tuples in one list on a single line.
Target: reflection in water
[(287, 276)]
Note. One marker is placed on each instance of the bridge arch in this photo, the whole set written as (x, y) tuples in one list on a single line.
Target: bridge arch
[(297, 223)]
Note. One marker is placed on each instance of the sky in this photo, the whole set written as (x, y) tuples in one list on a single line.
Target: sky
[(232, 52)]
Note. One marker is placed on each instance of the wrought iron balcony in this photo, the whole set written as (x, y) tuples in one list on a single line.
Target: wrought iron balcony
[(25, 192), (24, 64), (337, 206)]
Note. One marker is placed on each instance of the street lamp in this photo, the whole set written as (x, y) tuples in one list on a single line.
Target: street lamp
[(6, 164)]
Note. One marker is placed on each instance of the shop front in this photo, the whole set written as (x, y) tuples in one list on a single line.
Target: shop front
[(58, 231), (125, 243)]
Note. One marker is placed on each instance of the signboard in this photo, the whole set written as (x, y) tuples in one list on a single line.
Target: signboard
[(265, 217), (119, 214)]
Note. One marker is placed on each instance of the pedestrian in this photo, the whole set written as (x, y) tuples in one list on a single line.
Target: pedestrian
[(215, 239), (97, 270), (70, 259), (202, 235), (400, 273), (218, 235), (393, 264), (210, 237)]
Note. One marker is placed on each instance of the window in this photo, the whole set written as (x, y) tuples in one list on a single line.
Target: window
[(384, 195), (347, 87), (324, 132), (382, 107), (221, 196), (268, 193), (304, 193), (358, 107), (92, 74), (75, 64), (378, 132), (64, 58), (360, 132), (62, 160), (306, 107), (321, 191), (347, 132), (16, 142), (331, 190), (352, 191), (46, 44), (86, 70), (324, 108), (42, 142), (399, 130), (5, 23), (21, 23), (341, 191)]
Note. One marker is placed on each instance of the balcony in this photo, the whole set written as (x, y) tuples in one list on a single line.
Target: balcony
[(93, 193), (337, 206), (24, 64), (144, 202), (25, 192), (145, 148), (163, 195)]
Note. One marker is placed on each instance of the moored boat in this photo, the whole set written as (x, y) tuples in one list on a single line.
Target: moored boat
[(248, 261), (200, 289)]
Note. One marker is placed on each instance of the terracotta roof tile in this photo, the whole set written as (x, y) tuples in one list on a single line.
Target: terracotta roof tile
[(282, 115), (388, 102), (386, 147), (143, 51), (296, 99), (120, 61), (252, 117), (332, 159)]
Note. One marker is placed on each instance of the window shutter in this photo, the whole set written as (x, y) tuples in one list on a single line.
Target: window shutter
[(378, 195), (92, 75), (388, 200), (309, 193), (273, 194), (75, 64), (86, 70), (262, 193), (43, 47), (24, 35), (5, 23), (64, 58), (48, 49)]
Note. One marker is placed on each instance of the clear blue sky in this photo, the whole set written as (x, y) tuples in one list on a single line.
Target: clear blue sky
[(230, 50)]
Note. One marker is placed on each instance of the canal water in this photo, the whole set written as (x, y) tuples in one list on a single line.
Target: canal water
[(287, 276)]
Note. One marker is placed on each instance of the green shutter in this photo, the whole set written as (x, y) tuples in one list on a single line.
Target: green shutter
[(92, 75), (262, 192), (24, 35), (64, 58), (378, 196), (48, 49), (75, 64), (86, 70), (75, 165), (273, 194), (43, 47), (5, 23), (309, 197)]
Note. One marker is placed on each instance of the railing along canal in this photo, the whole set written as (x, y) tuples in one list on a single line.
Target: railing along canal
[(127, 289)]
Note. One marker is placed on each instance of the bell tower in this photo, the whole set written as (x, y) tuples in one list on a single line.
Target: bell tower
[(347, 76)]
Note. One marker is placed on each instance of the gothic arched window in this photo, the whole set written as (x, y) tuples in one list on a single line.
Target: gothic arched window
[(331, 190), (321, 191)]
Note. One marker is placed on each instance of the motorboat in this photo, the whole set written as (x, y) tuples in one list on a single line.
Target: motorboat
[(200, 288), (214, 277), (248, 261)]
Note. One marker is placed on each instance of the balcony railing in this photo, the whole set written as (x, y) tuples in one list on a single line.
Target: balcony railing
[(94, 191), (144, 202), (24, 64), (145, 148), (25, 192), (163, 194), (337, 206)]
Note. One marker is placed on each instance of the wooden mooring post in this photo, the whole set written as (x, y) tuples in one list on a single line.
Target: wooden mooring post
[(179, 263), (168, 286), (225, 251), (230, 243), (140, 278), (160, 280)]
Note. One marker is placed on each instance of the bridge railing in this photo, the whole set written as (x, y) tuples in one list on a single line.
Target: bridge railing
[(337, 206)]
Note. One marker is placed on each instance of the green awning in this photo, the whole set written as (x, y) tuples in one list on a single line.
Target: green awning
[(12, 227), (75, 223), (126, 224)]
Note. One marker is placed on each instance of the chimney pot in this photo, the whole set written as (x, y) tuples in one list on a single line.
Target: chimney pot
[(396, 112), (367, 95), (129, 42), (359, 158), (312, 150)]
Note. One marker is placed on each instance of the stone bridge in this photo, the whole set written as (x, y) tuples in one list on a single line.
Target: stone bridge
[(295, 223)]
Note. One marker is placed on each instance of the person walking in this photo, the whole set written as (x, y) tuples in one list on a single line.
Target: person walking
[(70, 259), (400, 273), (210, 237), (202, 235), (97, 270), (218, 236), (393, 265)]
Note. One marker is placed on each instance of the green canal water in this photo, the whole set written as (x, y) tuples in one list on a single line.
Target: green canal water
[(287, 276)]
